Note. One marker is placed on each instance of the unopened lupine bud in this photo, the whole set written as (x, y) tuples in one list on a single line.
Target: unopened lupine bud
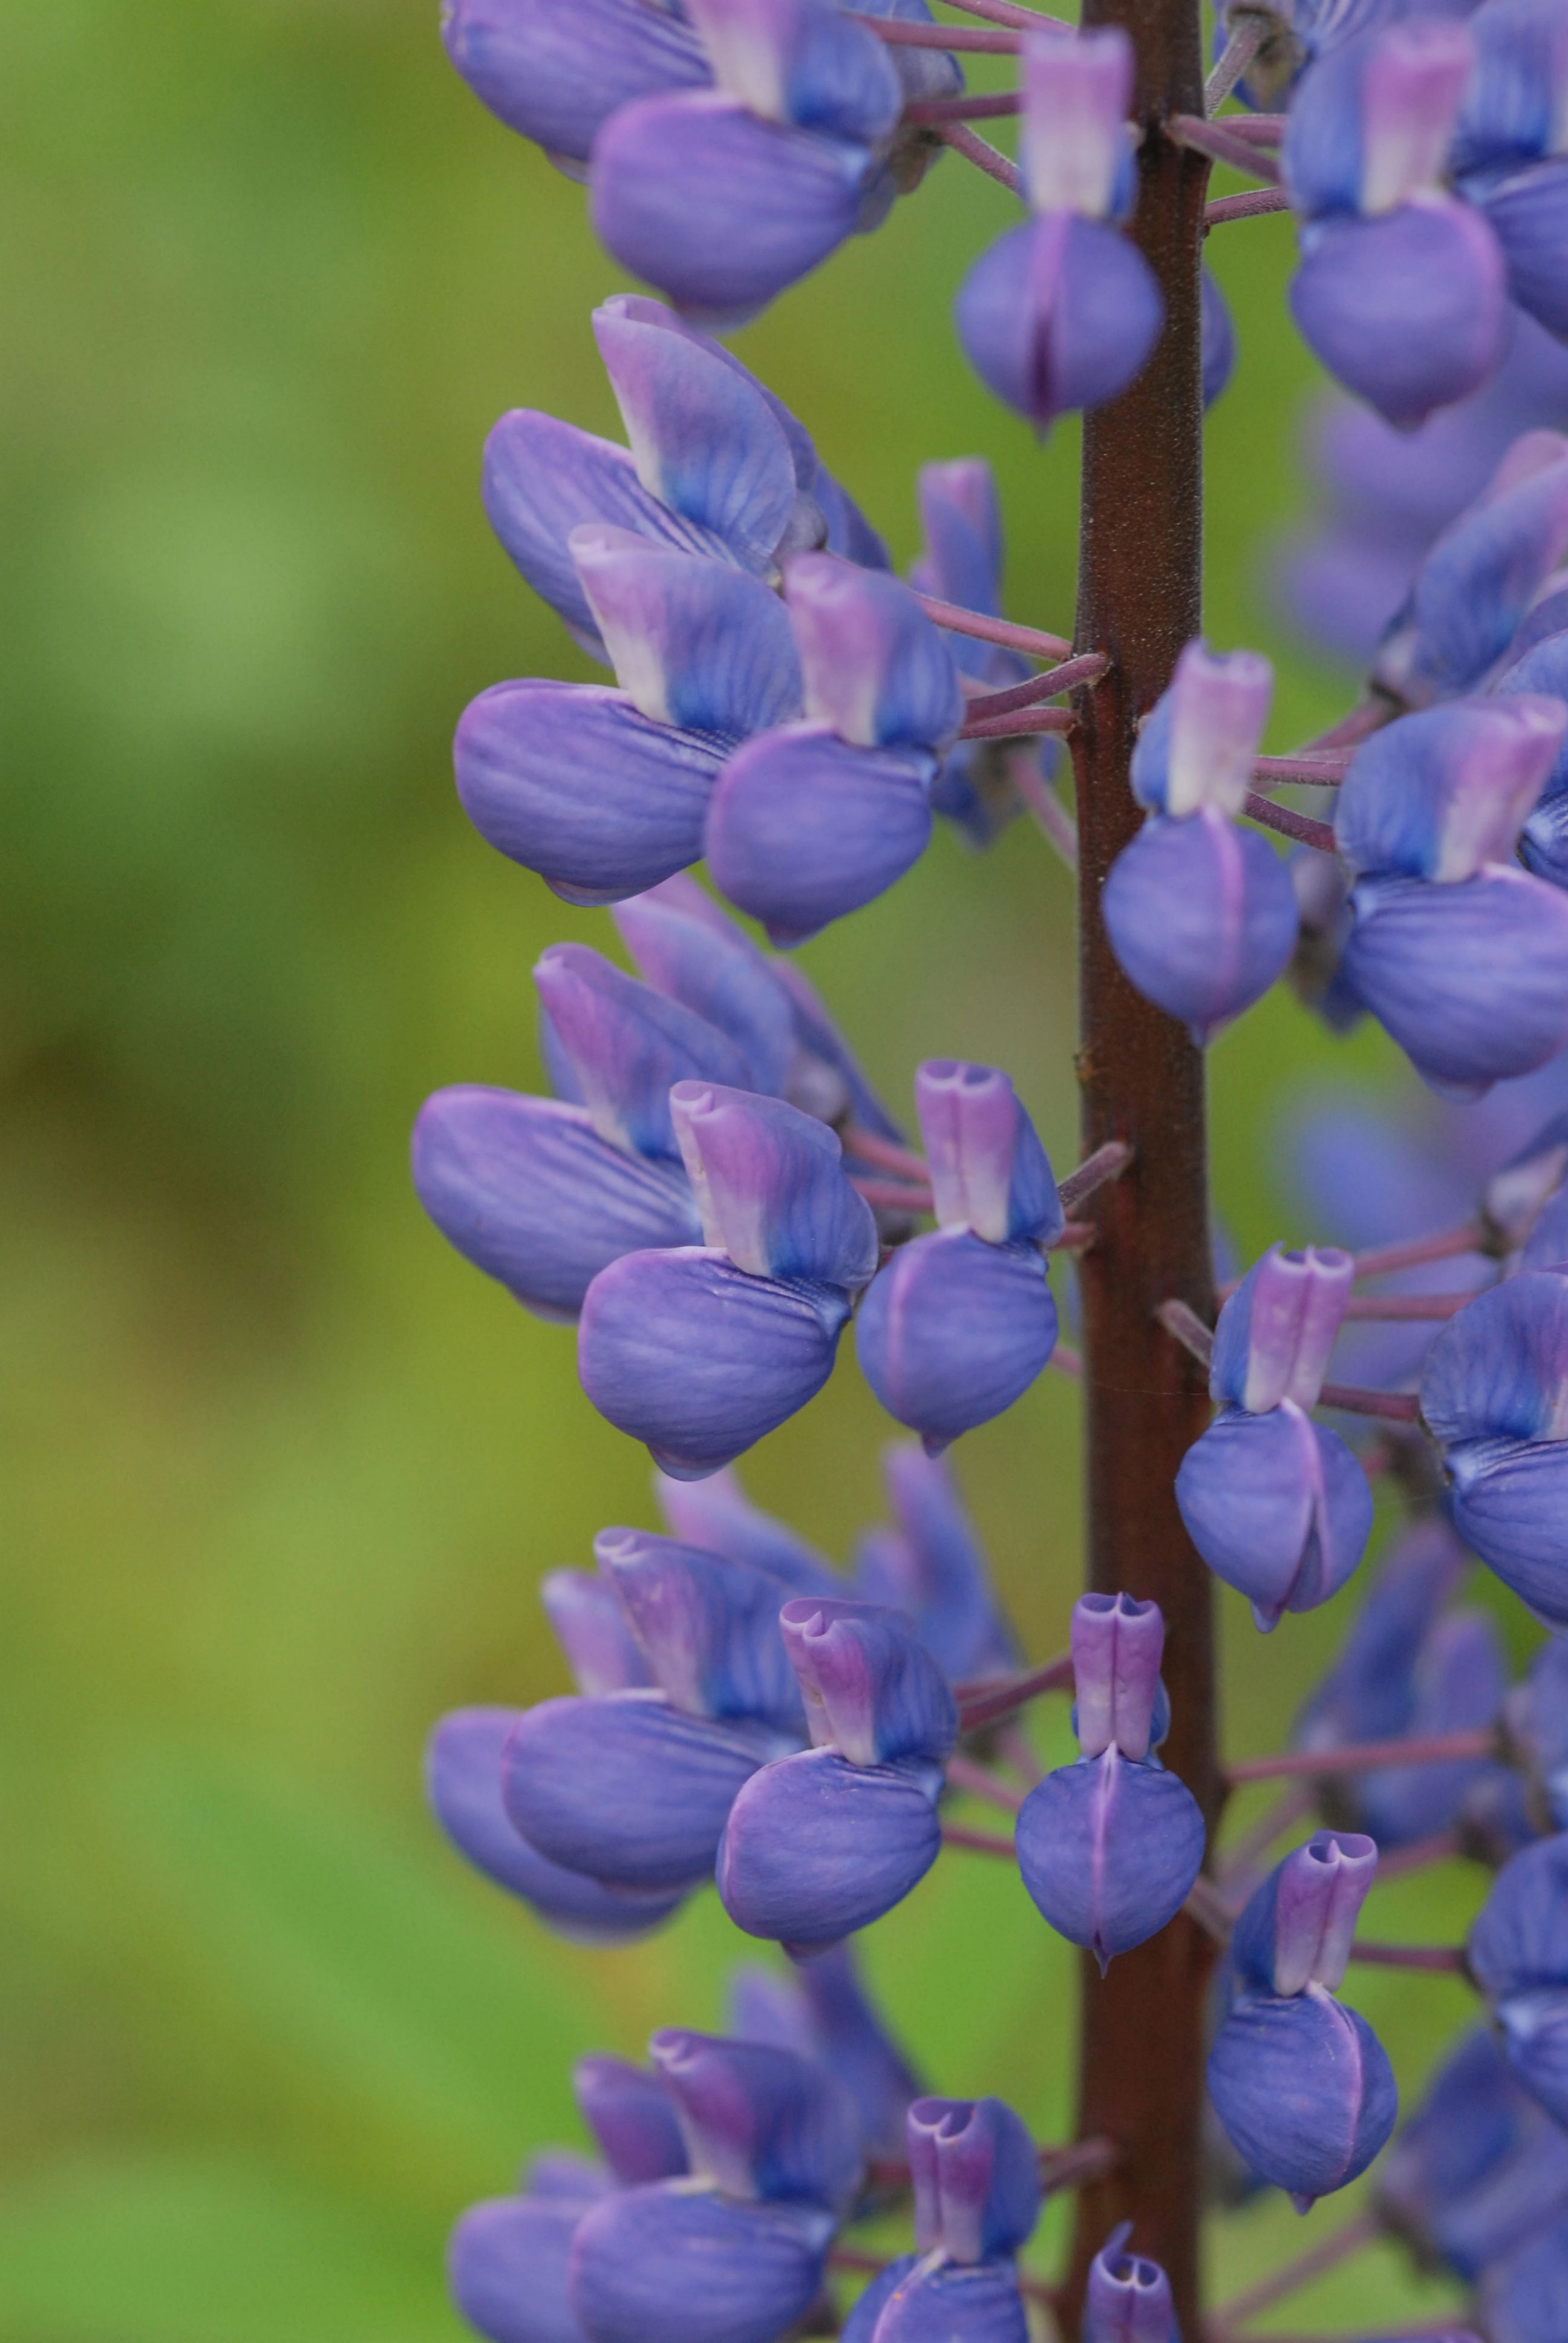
[(626, 1045), (770, 1186), (1494, 1393), (709, 1627), (1109, 1848), (1277, 1506), (462, 1783), (509, 2263), (1278, 1327), (1298, 1927), (668, 2263), (632, 2117), (1129, 2295), (554, 75), (1515, 107), (1064, 312), (685, 946), (1479, 579), (1197, 744), (1439, 794), (591, 1626), (873, 665), (1116, 1644), (1372, 125), (833, 1838), (976, 2177), (1304, 2090), (526, 1190), (694, 643), (760, 2123), (1518, 1955), (1201, 917)]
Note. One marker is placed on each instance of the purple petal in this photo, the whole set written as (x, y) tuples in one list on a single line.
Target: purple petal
[(1201, 917), (626, 1790), (1478, 2168), (979, 2301), (771, 1188), (1116, 1644), (626, 1045), (709, 1627), (801, 62), (762, 2122), (1108, 1851), (1438, 794), (941, 1577), (686, 1351), (693, 641), (875, 669), (1277, 1506), (1471, 980), (507, 2265), (1520, 1942), (718, 209), (1129, 2297), (1513, 102), (1304, 2091), (854, 2044), (962, 555), (463, 1784), (804, 829), (989, 1172), (717, 1514), (1278, 1327), (1196, 746), (526, 1190), (976, 2175), (1409, 309), (554, 73), (1061, 314), (685, 946), (704, 437), (590, 1627), (1528, 214), (1480, 579), (870, 1691), (1368, 1694), (543, 479), (1298, 1928), (1524, 2300), (1077, 97), (1460, 1680), (952, 1331), (664, 2265), (820, 1848), (1541, 667), (1510, 1501), (1535, 2037), (571, 781), (1219, 342), (632, 2117)]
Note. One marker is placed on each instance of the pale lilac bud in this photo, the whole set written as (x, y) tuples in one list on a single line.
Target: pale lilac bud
[(1277, 1330), (1297, 1930), (989, 1172), (1196, 745), (875, 667), (976, 2177), (870, 1691), (1129, 2297), (1116, 1643), (770, 1186), (1076, 95), (592, 1630)]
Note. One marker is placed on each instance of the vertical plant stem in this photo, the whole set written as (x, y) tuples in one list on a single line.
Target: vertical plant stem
[(1141, 1078)]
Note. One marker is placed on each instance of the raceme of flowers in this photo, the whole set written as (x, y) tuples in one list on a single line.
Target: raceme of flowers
[(714, 1194)]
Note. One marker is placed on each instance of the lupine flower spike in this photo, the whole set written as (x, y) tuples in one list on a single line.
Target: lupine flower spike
[(1276, 1504), (1300, 2084), (1201, 913), (1109, 1848), (961, 1321)]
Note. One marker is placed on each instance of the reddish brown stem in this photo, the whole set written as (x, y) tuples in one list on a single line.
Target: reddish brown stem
[(1217, 140), (900, 35), (1366, 1756), (1009, 728), (1301, 827), (1323, 771), (932, 110), (1038, 687), (1107, 1162), (981, 154), (1393, 1407), (1251, 205), (1449, 1957), (1141, 2073), (1468, 1237), (959, 621)]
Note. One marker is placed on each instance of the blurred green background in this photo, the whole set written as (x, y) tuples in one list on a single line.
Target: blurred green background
[(280, 1472)]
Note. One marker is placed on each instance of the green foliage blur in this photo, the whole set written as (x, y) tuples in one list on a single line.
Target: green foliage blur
[(277, 1471)]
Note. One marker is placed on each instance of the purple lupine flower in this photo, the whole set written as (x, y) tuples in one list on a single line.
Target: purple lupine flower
[(961, 561), (702, 1350), (1109, 1848), (814, 819), (1537, 1719), (1200, 915), (1494, 1393), (737, 2258), (1298, 33), (1476, 585), (1480, 2170), (590, 1625), (961, 1321), (830, 1839), (796, 148), (977, 2198), (1525, 2297), (717, 466), (1301, 2084), (1064, 312), (930, 1564), (707, 1627), (1277, 1505), (554, 72), (1541, 667), (1511, 141), (1400, 289), (823, 2012), (1518, 1955), (1129, 2297), (1439, 794)]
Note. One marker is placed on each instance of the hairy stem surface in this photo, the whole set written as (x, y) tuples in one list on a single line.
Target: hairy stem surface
[(1141, 1080)]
